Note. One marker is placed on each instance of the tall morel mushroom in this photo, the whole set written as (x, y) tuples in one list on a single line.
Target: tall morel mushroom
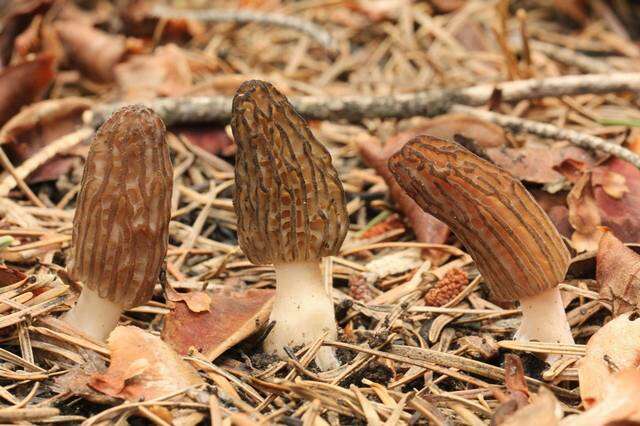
[(120, 227), (515, 246), (291, 212)]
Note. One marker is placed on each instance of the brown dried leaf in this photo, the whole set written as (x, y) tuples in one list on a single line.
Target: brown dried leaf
[(612, 183), (620, 214), (93, 51), (619, 406), (498, 221), (544, 410), (166, 72), (537, 164), (584, 215), (39, 124), (23, 84), (142, 367), (10, 276), (615, 347), (618, 274), (212, 139), (16, 19), (196, 301), (232, 318)]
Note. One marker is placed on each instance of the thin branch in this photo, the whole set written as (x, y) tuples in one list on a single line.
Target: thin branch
[(571, 57), (520, 125), (206, 109), (251, 16)]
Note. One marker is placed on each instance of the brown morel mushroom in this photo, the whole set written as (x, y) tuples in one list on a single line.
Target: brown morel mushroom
[(120, 227), (291, 212), (514, 244)]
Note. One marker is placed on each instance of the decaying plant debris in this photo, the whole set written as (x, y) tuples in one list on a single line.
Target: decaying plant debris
[(547, 90)]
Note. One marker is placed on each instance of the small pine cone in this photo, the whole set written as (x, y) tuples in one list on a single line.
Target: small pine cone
[(359, 288), (447, 288)]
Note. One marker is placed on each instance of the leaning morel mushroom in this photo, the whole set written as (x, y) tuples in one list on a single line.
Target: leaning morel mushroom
[(515, 246), (120, 227), (291, 212)]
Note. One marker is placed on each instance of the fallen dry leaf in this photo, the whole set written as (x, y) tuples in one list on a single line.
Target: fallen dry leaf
[(616, 346), (584, 215), (620, 405), (618, 274), (143, 367), (612, 183), (166, 72), (16, 20), (197, 301), (93, 51), (620, 214), (537, 164), (40, 124), (214, 140), (544, 410), (231, 318), (10, 276), (23, 84)]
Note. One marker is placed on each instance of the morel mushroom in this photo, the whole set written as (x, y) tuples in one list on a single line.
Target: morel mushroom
[(514, 244), (291, 212), (120, 227)]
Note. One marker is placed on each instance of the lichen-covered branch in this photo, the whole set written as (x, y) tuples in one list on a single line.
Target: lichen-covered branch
[(204, 109), (520, 125)]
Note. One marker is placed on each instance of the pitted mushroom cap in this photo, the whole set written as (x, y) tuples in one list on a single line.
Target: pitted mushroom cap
[(120, 228), (288, 198), (514, 244)]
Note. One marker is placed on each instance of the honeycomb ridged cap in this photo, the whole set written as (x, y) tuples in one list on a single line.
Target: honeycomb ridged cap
[(120, 227), (513, 242), (288, 198)]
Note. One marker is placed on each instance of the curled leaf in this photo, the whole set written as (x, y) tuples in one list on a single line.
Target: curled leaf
[(620, 405), (22, 84), (584, 215), (196, 301), (615, 347), (231, 318), (612, 183), (142, 367), (620, 214), (618, 274), (166, 72), (93, 51)]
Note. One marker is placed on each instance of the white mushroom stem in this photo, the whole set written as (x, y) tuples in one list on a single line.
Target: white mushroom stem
[(544, 319), (93, 315), (302, 311)]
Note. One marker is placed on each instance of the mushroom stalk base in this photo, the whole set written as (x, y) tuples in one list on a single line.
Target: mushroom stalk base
[(302, 311), (93, 315), (544, 319)]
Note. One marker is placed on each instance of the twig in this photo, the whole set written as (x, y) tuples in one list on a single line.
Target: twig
[(250, 16), (60, 145), (571, 57), (205, 109), (520, 125)]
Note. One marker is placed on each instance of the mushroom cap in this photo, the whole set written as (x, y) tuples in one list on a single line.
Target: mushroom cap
[(288, 198), (120, 228), (513, 242)]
